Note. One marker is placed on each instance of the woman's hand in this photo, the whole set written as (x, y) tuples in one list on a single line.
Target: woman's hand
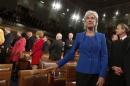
[(53, 67), (100, 81)]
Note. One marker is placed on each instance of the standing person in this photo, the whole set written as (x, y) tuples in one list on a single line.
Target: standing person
[(7, 44), (116, 75), (93, 58), (120, 61), (68, 43), (18, 49), (121, 31), (56, 48), (16, 53), (2, 39), (8, 39), (127, 60), (30, 41), (37, 50), (16, 38), (47, 44), (45, 48)]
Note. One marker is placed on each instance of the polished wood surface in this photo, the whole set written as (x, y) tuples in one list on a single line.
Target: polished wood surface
[(5, 74), (62, 76)]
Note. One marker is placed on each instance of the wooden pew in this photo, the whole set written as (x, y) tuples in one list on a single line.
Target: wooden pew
[(67, 74), (70, 72), (27, 77), (39, 77), (5, 74)]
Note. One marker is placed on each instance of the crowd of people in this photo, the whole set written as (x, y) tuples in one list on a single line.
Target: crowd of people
[(14, 45), (96, 64)]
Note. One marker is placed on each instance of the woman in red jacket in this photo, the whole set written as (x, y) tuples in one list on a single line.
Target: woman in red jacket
[(37, 50)]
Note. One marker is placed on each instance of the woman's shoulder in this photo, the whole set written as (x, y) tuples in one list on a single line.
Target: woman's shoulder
[(97, 33), (80, 34), (100, 34)]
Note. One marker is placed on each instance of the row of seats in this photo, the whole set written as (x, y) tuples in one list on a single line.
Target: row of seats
[(5, 74), (39, 77)]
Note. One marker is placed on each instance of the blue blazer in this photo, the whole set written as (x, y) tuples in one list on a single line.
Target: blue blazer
[(93, 58)]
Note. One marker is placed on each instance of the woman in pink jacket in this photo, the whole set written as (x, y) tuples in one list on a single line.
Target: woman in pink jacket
[(18, 49)]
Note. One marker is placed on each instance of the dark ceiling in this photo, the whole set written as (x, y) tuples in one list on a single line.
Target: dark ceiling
[(96, 4), (32, 13)]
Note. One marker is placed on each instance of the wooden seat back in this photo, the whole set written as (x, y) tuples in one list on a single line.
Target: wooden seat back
[(5, 74)]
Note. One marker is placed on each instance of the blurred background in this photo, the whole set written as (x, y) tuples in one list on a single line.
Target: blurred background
[(62, 15)]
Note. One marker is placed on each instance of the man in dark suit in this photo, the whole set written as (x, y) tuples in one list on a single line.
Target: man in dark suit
[(116, 78), (6, 45), (56, 48), (119, 60), (30, 41), (127, 61), (68, 43)]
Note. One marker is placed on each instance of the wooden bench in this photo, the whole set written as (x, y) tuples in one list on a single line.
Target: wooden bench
[(32, 77), (39, 77), (5, 74), (63, 75), (68, 71)]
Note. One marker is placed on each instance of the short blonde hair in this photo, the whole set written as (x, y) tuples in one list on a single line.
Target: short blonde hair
[(38, 33), (91, 12), (58, 36)]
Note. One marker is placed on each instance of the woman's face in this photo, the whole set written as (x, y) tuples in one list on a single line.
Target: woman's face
[(119, 30), (90, 21), (70, 36), (41, 34), (18, 34)]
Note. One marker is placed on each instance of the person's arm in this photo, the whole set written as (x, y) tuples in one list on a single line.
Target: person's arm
[(104, 62), (71, 53), (104, 58), (2, 39)]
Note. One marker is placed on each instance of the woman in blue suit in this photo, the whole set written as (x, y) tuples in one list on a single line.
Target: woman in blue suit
[(93, 60)]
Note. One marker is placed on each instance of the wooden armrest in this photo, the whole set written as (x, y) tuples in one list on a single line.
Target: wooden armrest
[(4, 69), (2, 81)]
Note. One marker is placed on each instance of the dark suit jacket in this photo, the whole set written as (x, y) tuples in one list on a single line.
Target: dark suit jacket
[(126, 52), (8, 41), (56, 50), (116, 58), (68, 45), (120, 56), (29, 43)]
